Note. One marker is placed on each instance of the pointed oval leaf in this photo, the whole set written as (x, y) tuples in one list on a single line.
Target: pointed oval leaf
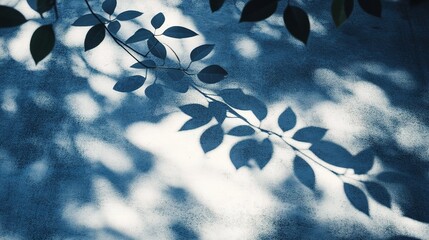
[(216, 4), (304, 172), (357, 198), (379, 193), (242, 152), (211, 138), (109, 6), (194, 123), (218, 110), (179, 32), (128, 15), (144, 64), (114, 27), (195, 110), (242, 130), (256, 10), (287, 120), (129, 84), (372, 7), (44, 5), (175, 74), (310, 134), (341, 10), (364, 161), (88, 20), (264, 154), (140, 35), (154, 91), (201, 52), (212, 74), (158, 20), (157, 48), (42, 42), (94, 36), (297, 23), (10, 17)]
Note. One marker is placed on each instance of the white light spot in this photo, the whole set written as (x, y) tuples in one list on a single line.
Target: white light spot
[(246, 47), (82, 106)]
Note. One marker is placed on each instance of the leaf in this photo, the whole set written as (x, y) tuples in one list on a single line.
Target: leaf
[(109, 6), (242, 130), (44, 6), (179, 32), (304, 172), (211, 138), (364, 161), (341, 10), (357, 198), (42, 42), (140, 35), (244, 151), (129, 84), (297, 23), (257, 10), (287, 120), (194, 123), (201, 52), (212, 74), (128, 15), (9, 17), (309, 134), (156, 48), (144, 64), (237, 99), (216, 4), (94, 36), (195, 110), (175, 74), (265, 152), (379, 193), (158, 20), (372, 7), (114, 27), (177, 86), (218, 110), (154, 91), (333, 154), (88, 20)]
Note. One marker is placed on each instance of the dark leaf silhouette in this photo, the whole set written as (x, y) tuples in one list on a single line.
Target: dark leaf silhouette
[(175, 74), (212, 74), (144, 64), (309, 134), (194, 123), (154, 91), (88, 20), (216, 4), (114, 27), (304, 172), (372, 7), (129, 84), (177, 86), (156, 48), (9, 17), (392, 177), (109, 6), (128, 15), (239, 100), (297, 23), (42, 42), (379, 193), (211, 138), (201, 52), (179, 32), (140, 35), (363, 161), (218, 110), (94, 36), (242, 130), (287, 120), (257, 10), (244, 151), (195, 111), (44, 6), (341, 10), (333, 153), (158, 20), (357, 198)]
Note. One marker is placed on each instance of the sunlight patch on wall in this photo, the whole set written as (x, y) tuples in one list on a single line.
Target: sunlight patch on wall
[(82, 106), (400, 78), (43, 99), (38, 170), (103, 85), (8, 103), (107, 154), (246, 47)]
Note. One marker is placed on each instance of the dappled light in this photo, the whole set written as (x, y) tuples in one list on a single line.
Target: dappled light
[(183, 119)]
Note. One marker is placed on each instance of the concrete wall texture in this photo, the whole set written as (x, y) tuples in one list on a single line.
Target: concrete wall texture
[(79, 160)]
